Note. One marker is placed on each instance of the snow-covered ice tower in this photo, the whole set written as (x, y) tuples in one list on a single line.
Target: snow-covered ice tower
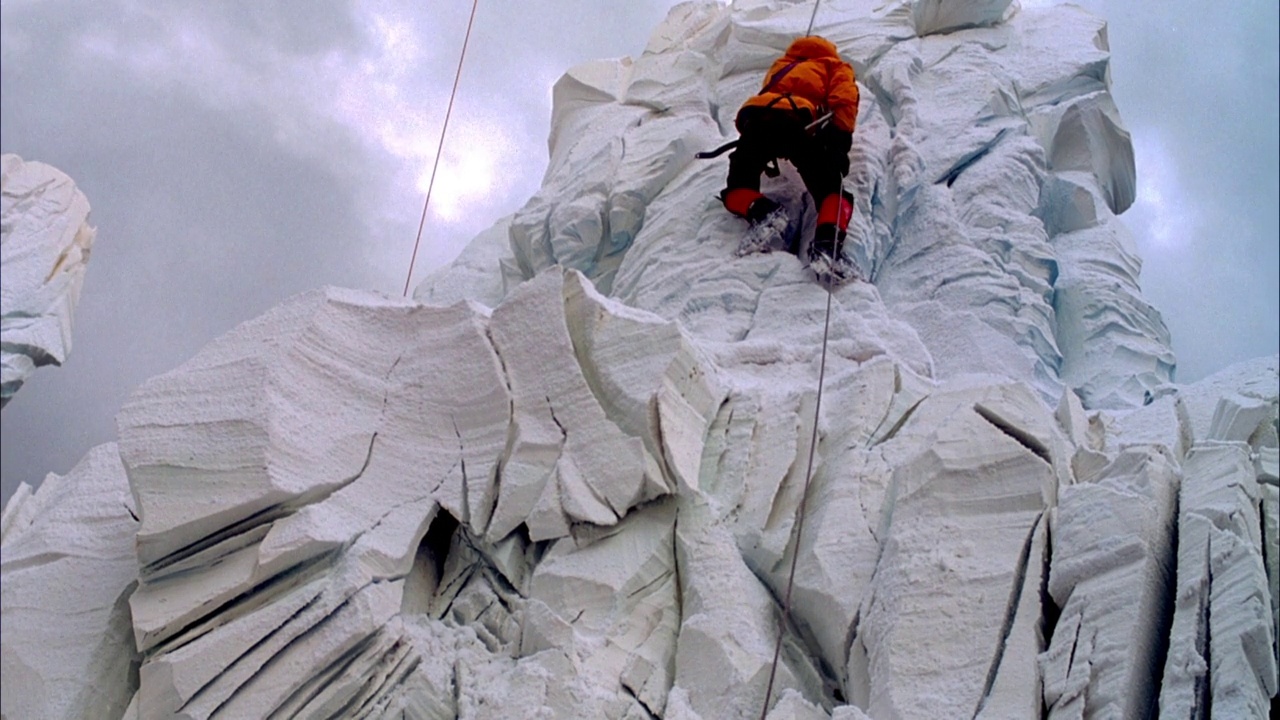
[(563, 481), (45, 241)]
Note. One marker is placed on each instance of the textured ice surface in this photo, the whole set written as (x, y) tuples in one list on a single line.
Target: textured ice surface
[(44, 248), (564, 481), (988, 169), (67, 572)]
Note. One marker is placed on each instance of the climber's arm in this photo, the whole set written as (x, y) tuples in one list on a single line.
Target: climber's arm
[(842, 98)]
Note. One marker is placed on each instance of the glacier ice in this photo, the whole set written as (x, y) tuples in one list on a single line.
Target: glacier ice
[(45, 243), (69, 568), (563, 480), (988, 168)]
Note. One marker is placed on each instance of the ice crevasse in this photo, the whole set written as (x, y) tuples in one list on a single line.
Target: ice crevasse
[(563, 480)]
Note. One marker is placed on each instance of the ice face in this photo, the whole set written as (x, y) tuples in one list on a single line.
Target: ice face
[(988, 169)]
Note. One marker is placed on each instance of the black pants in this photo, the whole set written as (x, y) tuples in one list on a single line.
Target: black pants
[(776, 132)]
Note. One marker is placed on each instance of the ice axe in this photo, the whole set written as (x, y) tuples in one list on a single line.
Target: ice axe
[(708, 154)]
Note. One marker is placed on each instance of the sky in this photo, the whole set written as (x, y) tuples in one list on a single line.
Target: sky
[(237, 153)]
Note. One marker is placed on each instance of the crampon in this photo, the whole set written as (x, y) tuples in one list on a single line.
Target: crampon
[(834, 270), (762, 234)]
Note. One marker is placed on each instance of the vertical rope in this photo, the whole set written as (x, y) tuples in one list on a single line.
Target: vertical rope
[(808, 474), (440, 147), (812, 17), (804, 501), (813, 448)]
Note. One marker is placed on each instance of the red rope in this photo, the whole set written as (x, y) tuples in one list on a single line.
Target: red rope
[(440, 148)]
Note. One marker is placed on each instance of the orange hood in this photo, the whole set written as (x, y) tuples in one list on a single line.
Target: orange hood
[(811, 77), (810, 48)]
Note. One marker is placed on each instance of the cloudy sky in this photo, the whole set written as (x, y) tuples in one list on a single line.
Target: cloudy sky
[(238, 152)]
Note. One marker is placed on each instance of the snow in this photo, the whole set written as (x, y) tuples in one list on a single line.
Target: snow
[(44, 247), (565, 479), (69, 568), (358, 422), (936, 16), (988, 168), (1221, 653), (1112, 577)]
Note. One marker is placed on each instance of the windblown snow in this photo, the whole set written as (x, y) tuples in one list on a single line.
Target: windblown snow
[(564, 480)]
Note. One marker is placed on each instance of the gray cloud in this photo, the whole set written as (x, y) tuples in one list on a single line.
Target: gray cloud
[(203, 222), (1200, 91), (236, 153)]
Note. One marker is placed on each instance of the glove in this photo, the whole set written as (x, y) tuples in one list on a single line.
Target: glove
[(835, 144)]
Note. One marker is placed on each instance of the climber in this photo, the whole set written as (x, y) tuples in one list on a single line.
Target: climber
[(807, 83)]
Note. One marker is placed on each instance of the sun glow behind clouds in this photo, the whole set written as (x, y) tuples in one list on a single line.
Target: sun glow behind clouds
[(1162, 215), (386, 102), (388, 95), (469, 168)]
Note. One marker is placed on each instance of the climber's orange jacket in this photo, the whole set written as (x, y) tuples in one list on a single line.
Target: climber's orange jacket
[(818, 81)]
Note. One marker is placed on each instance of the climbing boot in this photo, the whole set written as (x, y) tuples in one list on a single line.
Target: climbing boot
[(768, 222), (826, 256)]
